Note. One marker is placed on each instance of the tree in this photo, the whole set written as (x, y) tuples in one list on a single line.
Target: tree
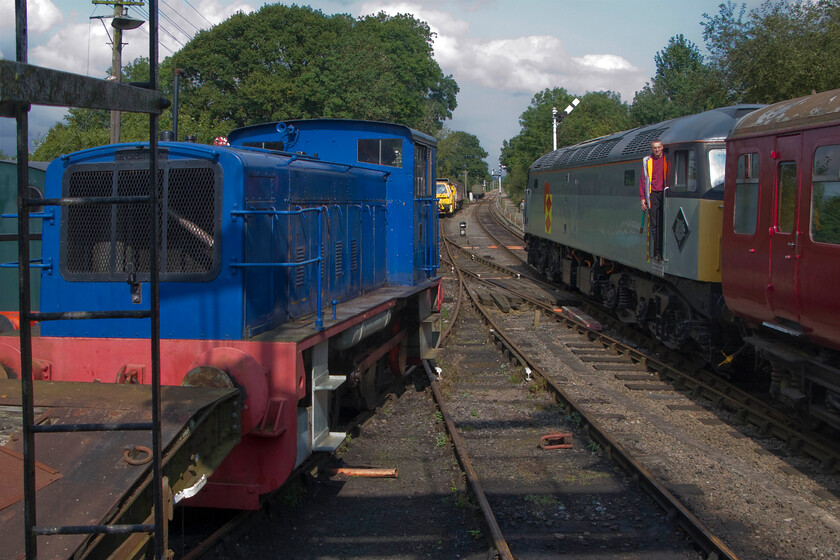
[(458, 152), (599, 113), (86, 128), (683, 85), (783, 49), (286, 62)]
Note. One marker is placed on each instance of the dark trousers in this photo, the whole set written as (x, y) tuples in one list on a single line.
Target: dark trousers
[(656, 224)]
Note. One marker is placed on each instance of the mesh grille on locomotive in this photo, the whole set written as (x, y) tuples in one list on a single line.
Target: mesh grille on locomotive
[(109, 243)]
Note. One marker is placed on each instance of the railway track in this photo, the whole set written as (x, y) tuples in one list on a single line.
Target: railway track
[(672, 366), (540, 466), (633, 392)]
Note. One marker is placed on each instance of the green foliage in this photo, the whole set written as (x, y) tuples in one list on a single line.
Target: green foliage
[(283, 62), (683, 85), (782, 49), (459, 151), (286, 62), (599, 113)]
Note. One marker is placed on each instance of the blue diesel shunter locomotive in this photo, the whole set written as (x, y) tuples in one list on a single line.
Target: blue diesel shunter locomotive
[(299, 263)]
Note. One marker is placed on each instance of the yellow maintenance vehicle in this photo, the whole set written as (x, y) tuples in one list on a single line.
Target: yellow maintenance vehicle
[(450, 196)]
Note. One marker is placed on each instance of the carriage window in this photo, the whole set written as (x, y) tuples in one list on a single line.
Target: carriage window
[(786, 197), (629, 177), (380, 151), (746, 195), (685, 170), (825, 196)]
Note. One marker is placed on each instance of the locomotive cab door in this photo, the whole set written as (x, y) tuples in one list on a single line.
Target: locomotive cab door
[(785, 234)]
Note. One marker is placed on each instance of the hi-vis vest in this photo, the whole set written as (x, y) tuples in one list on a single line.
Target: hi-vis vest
[(647, 168)]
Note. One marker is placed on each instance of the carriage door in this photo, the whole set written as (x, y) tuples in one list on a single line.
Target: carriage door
[(785, 237)]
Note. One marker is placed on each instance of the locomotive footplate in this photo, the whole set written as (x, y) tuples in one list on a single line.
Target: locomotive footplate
[(85, 478)]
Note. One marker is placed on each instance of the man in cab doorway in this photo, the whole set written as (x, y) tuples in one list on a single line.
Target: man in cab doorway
[(651, 190)]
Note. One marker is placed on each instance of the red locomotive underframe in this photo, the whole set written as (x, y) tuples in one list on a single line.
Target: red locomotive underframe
[(271, 376)]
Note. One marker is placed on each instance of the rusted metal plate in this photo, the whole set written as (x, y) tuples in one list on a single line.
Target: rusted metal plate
[(96, 481), (11, 465)]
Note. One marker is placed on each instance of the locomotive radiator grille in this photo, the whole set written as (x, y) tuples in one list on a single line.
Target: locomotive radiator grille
[(111, 242)]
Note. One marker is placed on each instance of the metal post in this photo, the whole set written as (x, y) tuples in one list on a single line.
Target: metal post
[(27, 389), (154, 288), (558, 118), (319, 320), (116, 71), (178, 73)]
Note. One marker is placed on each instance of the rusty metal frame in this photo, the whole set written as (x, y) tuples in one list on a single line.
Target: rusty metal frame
[(22, 85)]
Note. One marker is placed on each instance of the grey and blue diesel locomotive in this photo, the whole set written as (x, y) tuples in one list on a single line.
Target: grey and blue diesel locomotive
[(584, 226)]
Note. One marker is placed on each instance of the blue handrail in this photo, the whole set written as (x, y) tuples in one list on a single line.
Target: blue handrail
[(319, 319)]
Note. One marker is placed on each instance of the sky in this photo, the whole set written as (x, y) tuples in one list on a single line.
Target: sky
[(500, 52)]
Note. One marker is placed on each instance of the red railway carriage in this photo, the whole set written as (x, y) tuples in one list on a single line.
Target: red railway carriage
[(781, 244)]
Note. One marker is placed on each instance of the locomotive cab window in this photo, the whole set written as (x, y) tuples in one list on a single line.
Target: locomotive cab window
[(380, 151), (746, 194), (422, 171), (685, 170), (717, 167), (825, 195)]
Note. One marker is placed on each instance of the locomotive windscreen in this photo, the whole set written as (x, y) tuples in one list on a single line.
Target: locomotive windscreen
[(102, 242)]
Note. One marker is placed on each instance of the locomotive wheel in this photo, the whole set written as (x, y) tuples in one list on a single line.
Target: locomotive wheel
[(398, 359), (369, 388)]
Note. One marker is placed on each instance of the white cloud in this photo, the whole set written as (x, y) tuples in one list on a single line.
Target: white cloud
[(85, 48), (525, 64), (41, 16), (214, 11), (80, 48)]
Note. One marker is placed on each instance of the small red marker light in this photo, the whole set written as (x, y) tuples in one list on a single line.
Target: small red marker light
[(774, 154)]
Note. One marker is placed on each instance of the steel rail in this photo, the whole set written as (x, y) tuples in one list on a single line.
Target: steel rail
[(703, 383), (496, 535), (701, 535)]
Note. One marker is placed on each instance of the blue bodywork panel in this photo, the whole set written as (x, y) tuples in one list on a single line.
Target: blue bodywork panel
[(406, 155), (249, 234)]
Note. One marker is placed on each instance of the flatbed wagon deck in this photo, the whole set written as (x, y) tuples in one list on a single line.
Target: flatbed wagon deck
[(86, 478)]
